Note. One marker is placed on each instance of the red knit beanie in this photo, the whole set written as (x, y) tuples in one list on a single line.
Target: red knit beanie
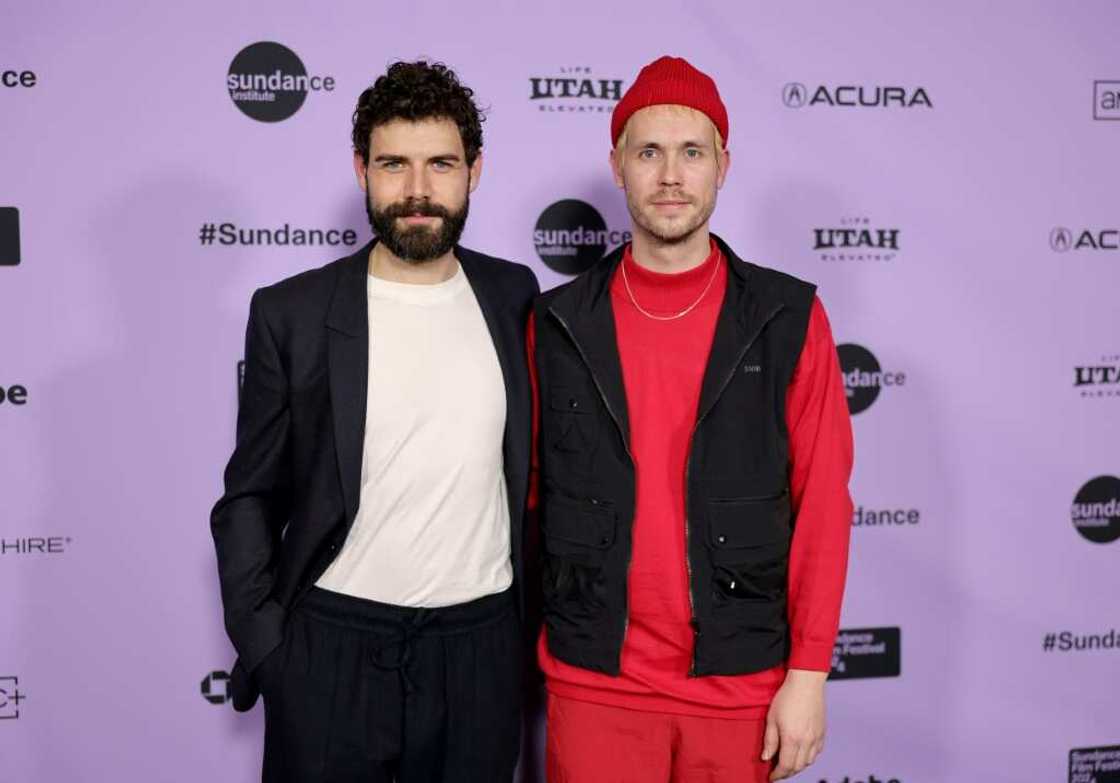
[(670, 80)]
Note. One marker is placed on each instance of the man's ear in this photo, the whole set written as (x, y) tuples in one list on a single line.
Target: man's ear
[(475, 171), (724, 164), (615, 158), (360, 169)]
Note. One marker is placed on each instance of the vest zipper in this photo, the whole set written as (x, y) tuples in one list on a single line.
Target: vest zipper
[(626, 446), (687, 473)]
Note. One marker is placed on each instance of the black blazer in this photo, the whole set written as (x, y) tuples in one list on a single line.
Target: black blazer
[(292, 484)]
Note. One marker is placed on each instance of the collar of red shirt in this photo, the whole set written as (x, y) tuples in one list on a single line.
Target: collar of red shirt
[(665, 293)]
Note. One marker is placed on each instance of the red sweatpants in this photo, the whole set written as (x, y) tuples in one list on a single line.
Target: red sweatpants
[(594, 743)]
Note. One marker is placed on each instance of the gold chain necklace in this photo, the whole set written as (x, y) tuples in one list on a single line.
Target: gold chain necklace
[(684, 312)]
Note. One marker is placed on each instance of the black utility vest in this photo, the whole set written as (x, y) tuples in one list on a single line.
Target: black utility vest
[(739, 520)]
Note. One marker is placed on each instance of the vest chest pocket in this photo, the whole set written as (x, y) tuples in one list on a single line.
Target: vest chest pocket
[(574, 420), (748, 539)]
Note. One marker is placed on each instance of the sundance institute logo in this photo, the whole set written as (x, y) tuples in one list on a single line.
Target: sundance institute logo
[(571, 235), (1096, 510), (1063, 240), (796, 95), (863, 377), (268, 82)]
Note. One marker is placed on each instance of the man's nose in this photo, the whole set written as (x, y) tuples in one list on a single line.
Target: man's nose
[(670, 171), (419, 185)]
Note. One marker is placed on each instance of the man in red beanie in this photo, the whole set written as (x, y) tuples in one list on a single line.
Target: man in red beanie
[(692, 453)]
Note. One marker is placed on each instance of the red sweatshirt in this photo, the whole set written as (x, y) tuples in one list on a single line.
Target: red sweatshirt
[(663, 365)]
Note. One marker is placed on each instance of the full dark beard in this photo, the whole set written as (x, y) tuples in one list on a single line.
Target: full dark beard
[(418, 244)]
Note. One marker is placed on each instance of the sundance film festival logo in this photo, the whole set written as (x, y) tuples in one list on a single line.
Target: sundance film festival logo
[(856, 239), (862, 779), (796, 95), (867, 652), (215, 687), (1063, 240), (268, 81), (864, 378), (1106, 100), (575, 89), (9, 236), (1096, 510), (1095, 765), (1098, 380), (571, 235), (10, 698)]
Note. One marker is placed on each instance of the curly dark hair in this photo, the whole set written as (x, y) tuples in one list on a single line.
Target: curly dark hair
[(418, 91)]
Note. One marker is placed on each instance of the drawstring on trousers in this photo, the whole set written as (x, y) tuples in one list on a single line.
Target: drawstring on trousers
[(403, 644)]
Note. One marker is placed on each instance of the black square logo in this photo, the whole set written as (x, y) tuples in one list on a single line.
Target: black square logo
[(1095, 765), (9, 236), (1106, 99), (867, 652)]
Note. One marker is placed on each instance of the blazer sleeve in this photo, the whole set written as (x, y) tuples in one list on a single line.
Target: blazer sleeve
[(248, 519)]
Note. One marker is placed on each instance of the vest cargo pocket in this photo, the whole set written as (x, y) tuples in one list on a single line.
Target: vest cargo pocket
[(577, 535), (748, 539), (581, 529)]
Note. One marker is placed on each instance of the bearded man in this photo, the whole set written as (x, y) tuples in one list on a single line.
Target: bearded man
[(369, 540)]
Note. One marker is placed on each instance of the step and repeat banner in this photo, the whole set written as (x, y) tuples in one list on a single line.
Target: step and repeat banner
[(948, 175)]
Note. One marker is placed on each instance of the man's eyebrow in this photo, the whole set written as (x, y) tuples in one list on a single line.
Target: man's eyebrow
[(445, 156), (653, 145)]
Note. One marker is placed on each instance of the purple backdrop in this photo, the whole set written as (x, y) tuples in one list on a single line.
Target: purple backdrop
[(986, 182)]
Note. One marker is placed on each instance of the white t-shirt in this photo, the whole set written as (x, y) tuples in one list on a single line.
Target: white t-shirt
[(433, 518)]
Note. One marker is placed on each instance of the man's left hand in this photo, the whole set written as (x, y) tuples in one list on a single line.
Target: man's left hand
[(795, 723)]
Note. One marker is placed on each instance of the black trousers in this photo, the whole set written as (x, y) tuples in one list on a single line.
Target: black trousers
[(370, 692)]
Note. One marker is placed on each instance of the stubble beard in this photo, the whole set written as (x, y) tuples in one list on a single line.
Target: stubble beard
[(665, 232)]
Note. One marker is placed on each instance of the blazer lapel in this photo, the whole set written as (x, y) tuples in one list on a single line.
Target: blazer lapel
[(348, 368), (505, 343), (487, 302)]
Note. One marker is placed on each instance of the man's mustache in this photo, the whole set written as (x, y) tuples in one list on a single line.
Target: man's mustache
[(414, 207)]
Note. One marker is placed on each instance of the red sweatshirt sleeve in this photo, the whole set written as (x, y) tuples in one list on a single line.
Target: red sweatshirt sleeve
[(820, 442), (534, 461)]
